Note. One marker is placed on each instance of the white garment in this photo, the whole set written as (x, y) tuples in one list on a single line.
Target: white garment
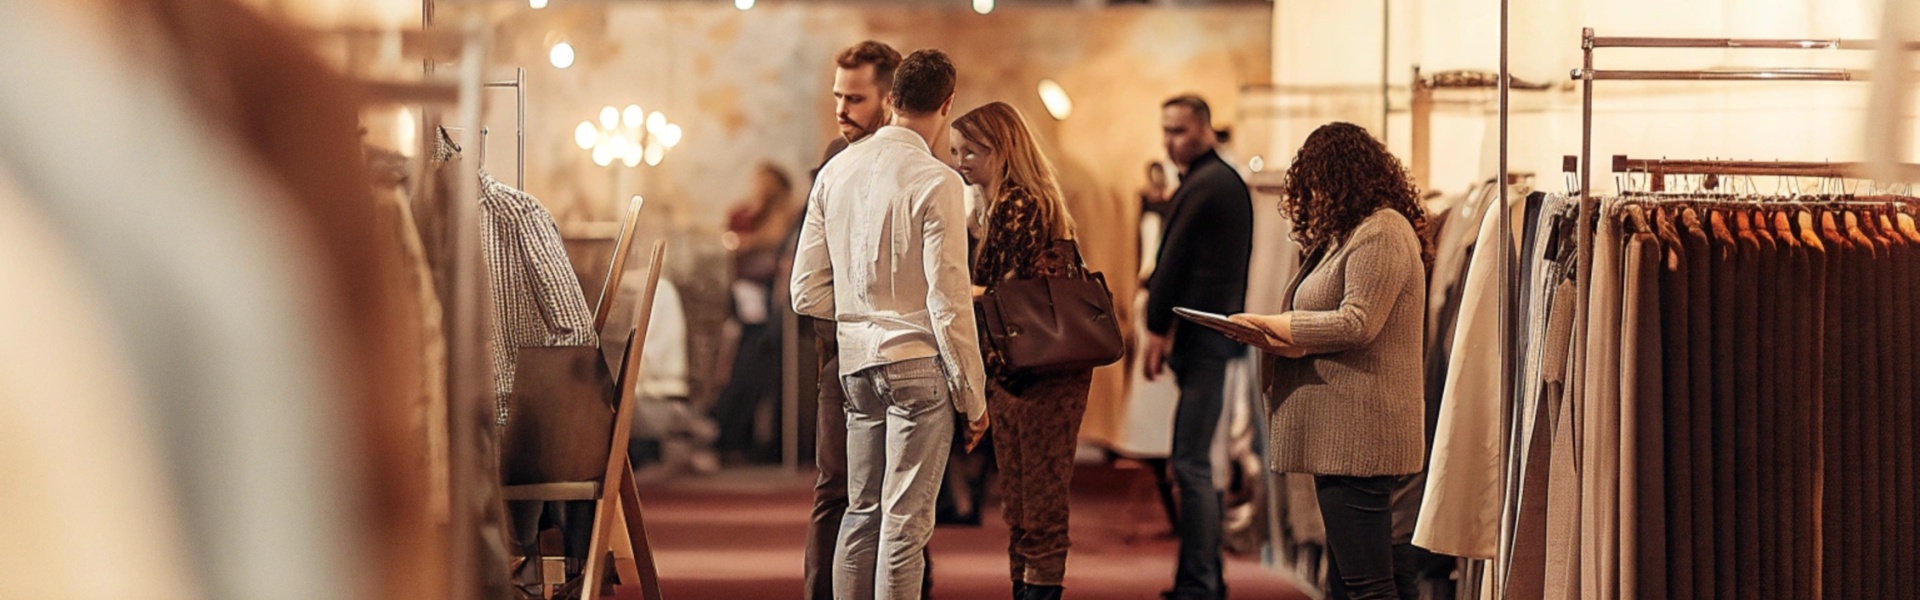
[(208, 285), (1466, 473), (883, 253), (86, 475)]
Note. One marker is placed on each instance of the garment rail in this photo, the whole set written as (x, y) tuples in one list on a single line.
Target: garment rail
[(1659, 168), (519, 86), (1424, 98)]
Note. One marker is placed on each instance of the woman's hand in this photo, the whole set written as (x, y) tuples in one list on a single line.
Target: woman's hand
[(1270, 334)]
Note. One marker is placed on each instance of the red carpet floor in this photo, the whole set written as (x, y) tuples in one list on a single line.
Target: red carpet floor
[(739, 535)]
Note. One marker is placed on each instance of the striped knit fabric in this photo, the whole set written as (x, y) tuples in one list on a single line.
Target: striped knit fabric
[(536, 298)]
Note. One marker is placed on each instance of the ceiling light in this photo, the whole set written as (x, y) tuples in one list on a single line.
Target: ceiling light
[(655, 152), (609, 117), (603, 154), (743, 4), (983, 6), (585, 135), (670, 135), (632, 116), (656, 122), (537, 4), (1055, 98), (561, 55)]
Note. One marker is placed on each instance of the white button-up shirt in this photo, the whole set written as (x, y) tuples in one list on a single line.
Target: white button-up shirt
[(883, 253)]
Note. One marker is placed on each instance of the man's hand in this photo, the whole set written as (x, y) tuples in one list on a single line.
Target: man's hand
[(1158, 347), (977, 430)]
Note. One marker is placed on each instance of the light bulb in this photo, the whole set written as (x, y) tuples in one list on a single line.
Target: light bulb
[(743, 4), (585, 135), (537, 4), (632, 116), (603, 154), (656, 122), (655, 153), (561, 56), (983, 6), (1256, 164), (669, 136), (632, 158), (609, 117), (1055, 98)]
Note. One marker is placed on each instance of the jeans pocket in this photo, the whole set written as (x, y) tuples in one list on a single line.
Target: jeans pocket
[(918, 393)]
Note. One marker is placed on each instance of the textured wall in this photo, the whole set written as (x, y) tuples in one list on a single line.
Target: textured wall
[(752, 86)]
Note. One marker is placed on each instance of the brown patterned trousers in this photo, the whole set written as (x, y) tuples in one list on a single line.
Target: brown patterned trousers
[(1034, 436)]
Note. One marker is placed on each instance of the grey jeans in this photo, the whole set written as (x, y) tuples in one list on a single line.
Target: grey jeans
[(899, 432)]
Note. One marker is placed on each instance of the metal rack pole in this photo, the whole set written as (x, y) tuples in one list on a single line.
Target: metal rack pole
[(1508, 285), (1588, 74), (519, 85), (466, 338), (1740, 43)]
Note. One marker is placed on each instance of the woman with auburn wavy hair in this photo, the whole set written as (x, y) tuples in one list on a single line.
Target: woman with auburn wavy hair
[(1344, 363), (1025, 232)]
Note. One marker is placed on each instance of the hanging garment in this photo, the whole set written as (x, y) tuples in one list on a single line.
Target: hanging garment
[(213, 286), (87, 480), (1641, 558), (1461, 515), (413, 287), (1767, 370), (1599, 413), (536, 297), (1674, 348)]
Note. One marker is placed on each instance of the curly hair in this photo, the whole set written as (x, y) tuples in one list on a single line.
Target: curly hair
[(1340, 177)]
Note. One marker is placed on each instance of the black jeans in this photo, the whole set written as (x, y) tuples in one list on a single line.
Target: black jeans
[(1202, 382), (1359, 535)]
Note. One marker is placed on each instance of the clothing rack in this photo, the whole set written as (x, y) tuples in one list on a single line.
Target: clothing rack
[(1420, 111), (519, 86), (1587, 74)]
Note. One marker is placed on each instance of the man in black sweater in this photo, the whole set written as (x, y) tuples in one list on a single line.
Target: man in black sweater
[(1202, 265)]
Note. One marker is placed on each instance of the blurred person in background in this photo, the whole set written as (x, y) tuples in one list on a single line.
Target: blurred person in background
[(1039, 416), (1345, 400), (1202, 265), (755, 227)]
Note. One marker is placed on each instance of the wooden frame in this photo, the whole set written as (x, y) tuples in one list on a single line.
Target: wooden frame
[(618, 526), (617, 268)]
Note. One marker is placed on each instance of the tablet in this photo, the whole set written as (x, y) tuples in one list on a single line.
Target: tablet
[(1219, 323)]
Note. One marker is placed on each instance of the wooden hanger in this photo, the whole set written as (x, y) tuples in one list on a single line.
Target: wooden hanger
[(1906, 226), (1663, 228)]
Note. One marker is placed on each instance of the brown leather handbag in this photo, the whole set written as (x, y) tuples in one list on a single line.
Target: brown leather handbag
[(1052, 324)]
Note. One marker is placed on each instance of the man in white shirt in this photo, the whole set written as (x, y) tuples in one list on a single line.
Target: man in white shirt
[(883, 253)]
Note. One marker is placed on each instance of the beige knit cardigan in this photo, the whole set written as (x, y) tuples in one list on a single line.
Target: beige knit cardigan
[(1353, 405)]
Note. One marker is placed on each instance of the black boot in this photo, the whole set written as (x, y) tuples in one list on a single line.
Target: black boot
[(1040, 592)]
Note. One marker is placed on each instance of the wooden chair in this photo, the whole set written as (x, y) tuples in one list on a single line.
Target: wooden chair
[(617, 524)]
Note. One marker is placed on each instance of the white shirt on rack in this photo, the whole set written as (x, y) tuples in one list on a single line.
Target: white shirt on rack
[(883, 253)]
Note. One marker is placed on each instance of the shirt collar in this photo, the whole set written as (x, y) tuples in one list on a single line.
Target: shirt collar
[(902, 135), (1211, 153)]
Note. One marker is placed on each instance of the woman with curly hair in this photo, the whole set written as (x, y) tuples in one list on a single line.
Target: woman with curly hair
[(1026, 233), (1344, 363)]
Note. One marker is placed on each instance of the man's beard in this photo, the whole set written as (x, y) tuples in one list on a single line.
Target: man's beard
[(859, 131)]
